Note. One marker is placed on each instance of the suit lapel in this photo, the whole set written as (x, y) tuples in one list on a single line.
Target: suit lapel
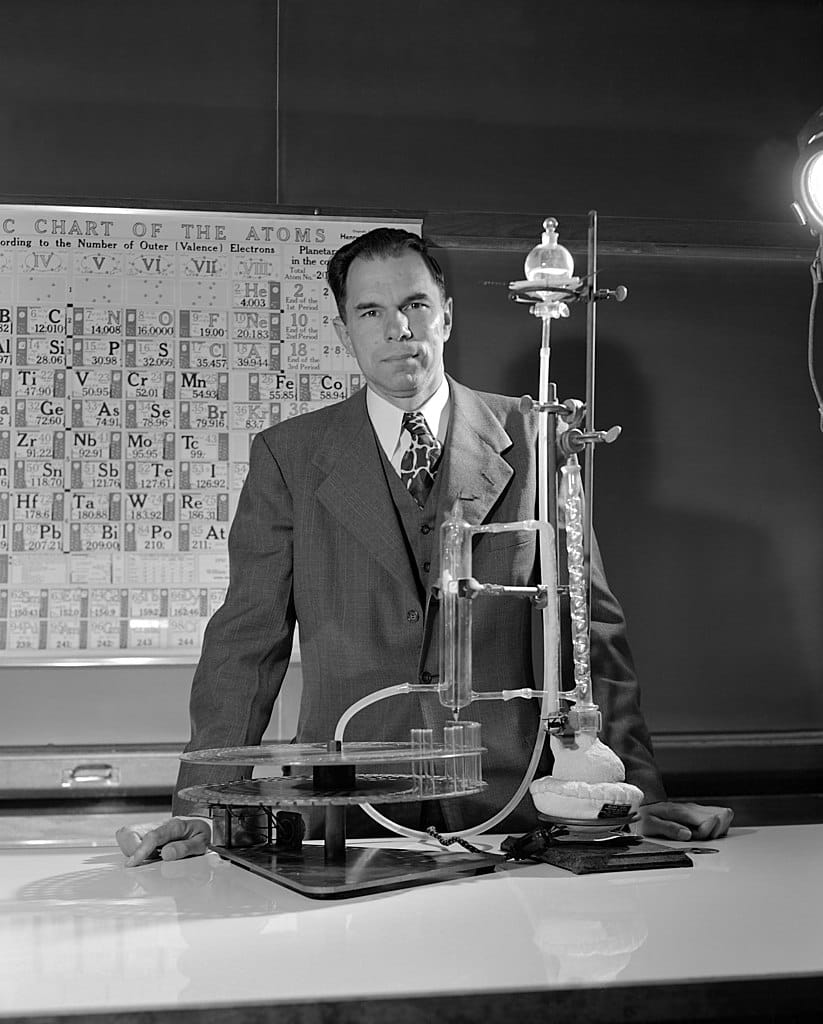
[(354, 490)]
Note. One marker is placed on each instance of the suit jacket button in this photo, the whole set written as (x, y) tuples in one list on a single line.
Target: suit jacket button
[(413, 616)]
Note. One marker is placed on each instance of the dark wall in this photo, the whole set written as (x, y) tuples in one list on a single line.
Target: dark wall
[(686, 108), (708, 506), (164, 101), (678, 118)]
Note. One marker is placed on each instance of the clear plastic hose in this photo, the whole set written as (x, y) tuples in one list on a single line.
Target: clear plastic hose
[(411, 833), (372, 698)]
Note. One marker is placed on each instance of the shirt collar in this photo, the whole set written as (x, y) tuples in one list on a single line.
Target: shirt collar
[(387, 419)]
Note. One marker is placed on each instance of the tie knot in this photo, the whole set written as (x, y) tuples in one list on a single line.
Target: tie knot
[(415, 423)]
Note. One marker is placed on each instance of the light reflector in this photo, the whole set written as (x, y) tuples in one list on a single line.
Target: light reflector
[(808, 174)]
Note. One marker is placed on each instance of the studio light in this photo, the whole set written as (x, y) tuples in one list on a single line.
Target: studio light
[(808, 174)]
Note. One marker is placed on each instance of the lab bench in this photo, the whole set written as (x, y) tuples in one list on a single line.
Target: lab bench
[(736, 936)]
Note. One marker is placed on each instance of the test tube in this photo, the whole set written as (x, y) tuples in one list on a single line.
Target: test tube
[(453, 741), (471, 741), (422, 744)]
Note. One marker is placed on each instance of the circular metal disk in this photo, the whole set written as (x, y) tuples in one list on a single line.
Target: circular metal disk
[(590, 824), (308, 754), (296, 791)]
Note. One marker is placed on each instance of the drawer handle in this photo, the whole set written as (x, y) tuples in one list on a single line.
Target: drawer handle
[(90, 775)]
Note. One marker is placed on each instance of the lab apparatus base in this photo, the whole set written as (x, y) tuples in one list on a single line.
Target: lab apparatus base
[(364, 871)]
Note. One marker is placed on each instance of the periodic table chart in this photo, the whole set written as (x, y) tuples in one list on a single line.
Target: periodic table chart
[(140, 352)]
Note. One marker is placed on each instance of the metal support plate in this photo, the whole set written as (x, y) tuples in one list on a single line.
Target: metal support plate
[(364, 870)]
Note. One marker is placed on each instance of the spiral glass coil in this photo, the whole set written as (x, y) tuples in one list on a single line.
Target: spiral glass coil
[(578, 599)]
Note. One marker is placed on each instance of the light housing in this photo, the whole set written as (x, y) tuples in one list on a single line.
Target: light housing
[(808, 174)]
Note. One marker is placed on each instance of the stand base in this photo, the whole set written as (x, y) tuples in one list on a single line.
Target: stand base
[(364, 870)]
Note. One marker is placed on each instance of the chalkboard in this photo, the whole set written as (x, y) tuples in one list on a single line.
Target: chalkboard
[(708, 507)]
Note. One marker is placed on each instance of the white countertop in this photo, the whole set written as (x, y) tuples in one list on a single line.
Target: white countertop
[(79, 932)]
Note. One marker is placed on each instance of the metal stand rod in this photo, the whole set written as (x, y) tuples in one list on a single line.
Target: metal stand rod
[(588, 459), (334, 845), (552, 515)]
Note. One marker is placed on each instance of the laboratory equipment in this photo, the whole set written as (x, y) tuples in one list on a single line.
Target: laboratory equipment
[(331, 776), (451, 768)]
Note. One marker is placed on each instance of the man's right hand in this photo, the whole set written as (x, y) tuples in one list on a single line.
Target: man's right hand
[(170, 840)]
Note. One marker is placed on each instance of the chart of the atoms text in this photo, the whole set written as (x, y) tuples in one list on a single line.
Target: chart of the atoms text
[(140, 353)]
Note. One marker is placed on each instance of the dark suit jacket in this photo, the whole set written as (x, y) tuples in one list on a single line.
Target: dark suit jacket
[(316, 538)]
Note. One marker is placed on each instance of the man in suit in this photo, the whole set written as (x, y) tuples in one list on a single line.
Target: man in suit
[(332, 532)]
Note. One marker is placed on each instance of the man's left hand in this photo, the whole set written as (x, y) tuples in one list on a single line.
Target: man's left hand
[(683, 821)]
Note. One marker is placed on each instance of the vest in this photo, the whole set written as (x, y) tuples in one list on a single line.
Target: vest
[(419, 525)]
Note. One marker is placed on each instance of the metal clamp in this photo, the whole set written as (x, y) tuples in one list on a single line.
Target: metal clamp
[(575, 440)]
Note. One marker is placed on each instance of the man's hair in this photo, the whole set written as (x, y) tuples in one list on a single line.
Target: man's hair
[(379, 244)]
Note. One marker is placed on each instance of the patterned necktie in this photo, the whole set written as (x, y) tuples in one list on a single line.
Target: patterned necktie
[(418, 463)]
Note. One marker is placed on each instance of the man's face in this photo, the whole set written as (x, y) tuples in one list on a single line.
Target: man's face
[(396, 324)]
